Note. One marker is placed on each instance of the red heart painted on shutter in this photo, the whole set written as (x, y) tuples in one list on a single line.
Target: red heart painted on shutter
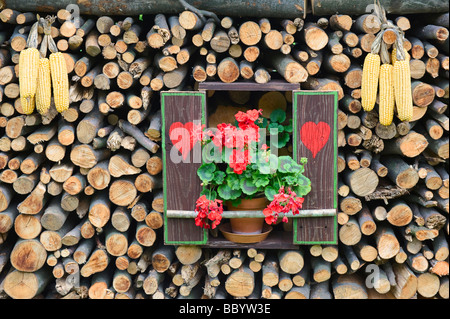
[(181, 136), (315, 136)]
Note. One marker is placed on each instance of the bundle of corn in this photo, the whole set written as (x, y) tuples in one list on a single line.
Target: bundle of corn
[(392, 78), (38, 74)]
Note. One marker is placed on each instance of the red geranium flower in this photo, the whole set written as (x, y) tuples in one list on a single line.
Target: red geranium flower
[(239, 159), (208, 210), (283, 203)]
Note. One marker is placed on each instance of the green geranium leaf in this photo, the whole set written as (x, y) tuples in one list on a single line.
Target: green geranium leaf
[(290, 180), (219, 177), (283, 138), (233, 182), (278, 115), (226, 193), (302, 190), (288, 128), (303, 185), (287, 165), (211, 153), (211, 195), (248, 187), (261, 181), (206, 172), (270, 192), (263, 167)]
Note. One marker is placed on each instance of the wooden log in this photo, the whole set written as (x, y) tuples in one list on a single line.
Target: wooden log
[(366, 222), (83, 155), (406, 282), (228, 70), (119, 165), (291, 261), (99, 176), (99, 210), (122, 192), (321, 269), (399, 172), (432, 218), (410, 145), (162, 258), (250, 33), (116, 243), (287, 67), (350, 204), (350, 233), (145, 235), (315, 37), (380, 282), (422, 93), (365, 250), (349, 287), (26, 285), (270, 272), (220, 42), (354, 180), (325, 84), (240, 283), (399, 213), (188, 255), (35, 201), (387, 244), (97, 262), (35, 252)]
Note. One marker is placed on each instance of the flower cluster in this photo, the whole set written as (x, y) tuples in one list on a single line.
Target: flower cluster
[(208, 210), (238, 138), (283, 203)]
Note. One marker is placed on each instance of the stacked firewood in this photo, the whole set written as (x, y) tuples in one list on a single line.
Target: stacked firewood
[(81, 192)]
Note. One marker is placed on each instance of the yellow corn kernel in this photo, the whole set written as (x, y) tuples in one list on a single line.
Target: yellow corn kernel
[(44, 87), (394, 55), (369, 84), (60, 81), (386, 96), (28, 74), (402, 90), (28, 104)]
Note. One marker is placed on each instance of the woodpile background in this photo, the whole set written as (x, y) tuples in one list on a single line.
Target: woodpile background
[(80, 193)]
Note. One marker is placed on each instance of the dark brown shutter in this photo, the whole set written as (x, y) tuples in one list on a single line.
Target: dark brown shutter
[(181, 184), (315, 137)]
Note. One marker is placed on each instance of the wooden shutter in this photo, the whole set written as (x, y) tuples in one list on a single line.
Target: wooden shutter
[(181, 184), (315, 137)]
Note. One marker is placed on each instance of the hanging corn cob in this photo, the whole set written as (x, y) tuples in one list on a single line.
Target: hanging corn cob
[(402, 83), (60, 81), (386, 103), (28, 72), (394, 55), (44, 89), (371, 71), (58, 69), (28, 104)]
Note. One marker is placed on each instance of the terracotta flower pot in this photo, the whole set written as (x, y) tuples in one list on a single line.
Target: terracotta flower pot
[(246, 225)]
